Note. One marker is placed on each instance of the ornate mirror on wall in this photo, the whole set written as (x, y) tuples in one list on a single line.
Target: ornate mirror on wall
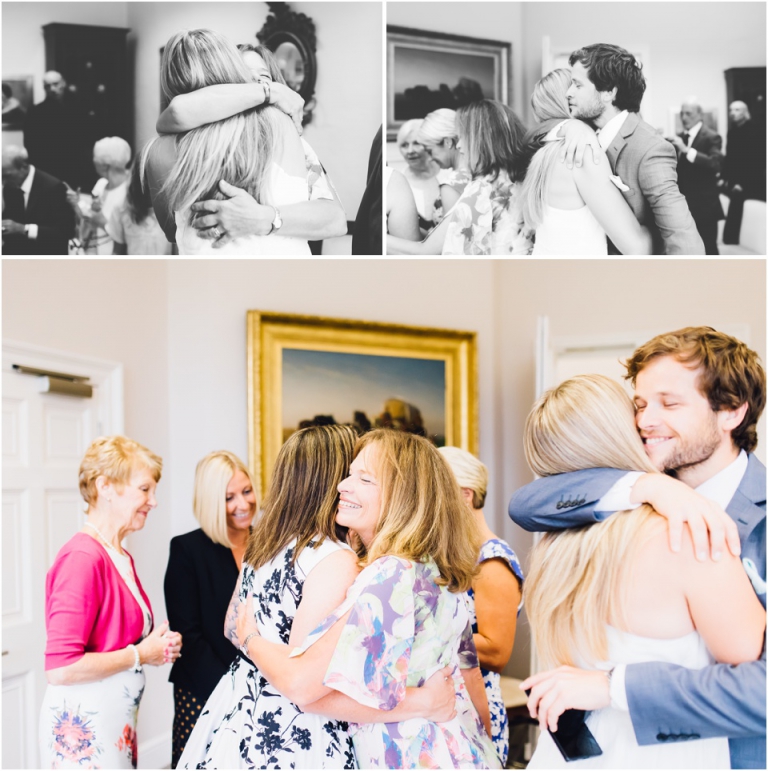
[(291, 37)]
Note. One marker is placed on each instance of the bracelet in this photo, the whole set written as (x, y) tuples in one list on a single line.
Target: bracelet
[(136, 658), (267, 91), (244, 646)]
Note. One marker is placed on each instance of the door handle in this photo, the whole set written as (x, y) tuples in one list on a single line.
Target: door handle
[(5, 653)]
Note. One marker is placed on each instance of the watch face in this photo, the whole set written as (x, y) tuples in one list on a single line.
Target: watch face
[(277, 222)]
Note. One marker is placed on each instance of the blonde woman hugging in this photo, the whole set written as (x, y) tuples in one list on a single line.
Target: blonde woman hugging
[(614, 592)]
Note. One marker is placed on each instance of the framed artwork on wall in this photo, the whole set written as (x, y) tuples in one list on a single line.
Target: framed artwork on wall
[(430, 70), (310, 370)]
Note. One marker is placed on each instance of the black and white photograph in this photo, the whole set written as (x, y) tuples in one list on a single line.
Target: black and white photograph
[(575, 128), (200, 128)]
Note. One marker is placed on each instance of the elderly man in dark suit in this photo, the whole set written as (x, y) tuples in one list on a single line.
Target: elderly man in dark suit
[(36, 216), (699, 157)]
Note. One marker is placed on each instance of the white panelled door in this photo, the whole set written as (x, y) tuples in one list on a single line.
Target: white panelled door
[(44, 438)]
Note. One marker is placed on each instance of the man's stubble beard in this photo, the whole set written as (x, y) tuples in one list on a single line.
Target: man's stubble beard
[(593, 110), (696, 451)]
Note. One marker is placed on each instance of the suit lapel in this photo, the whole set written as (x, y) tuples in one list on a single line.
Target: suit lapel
[(745, 506), (620, 140)]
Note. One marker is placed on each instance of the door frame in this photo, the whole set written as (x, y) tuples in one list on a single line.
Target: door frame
[(105, 375)]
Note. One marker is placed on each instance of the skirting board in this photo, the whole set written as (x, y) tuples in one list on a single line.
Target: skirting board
[(156, 753)]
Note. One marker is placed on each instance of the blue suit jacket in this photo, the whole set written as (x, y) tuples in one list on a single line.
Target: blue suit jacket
[(669, 702)]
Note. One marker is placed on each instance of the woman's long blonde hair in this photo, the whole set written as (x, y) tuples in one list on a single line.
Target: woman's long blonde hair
[(302, 501), (577, 578), (549, 103), (238, 149), (423, 514)]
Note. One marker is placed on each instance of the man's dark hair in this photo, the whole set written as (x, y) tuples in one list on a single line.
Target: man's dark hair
[(608, 67)]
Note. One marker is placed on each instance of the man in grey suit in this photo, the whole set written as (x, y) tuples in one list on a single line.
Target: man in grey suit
[(698, 395), (607, 88)]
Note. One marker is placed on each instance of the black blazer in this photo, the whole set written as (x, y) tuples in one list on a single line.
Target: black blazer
[(47, 208), (199, 582), (698, 180)]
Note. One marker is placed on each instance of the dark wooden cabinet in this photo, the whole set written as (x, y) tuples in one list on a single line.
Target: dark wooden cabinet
[(747, 84), (94, 62)]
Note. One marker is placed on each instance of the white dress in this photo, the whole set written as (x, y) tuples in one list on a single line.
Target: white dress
[(246, 723), (613, 730), (570, 231), (285, 189)]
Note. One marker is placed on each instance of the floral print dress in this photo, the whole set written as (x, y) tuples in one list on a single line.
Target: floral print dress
[(495, 548), (246, 723), (93, 725), (402, 628), (487, 219)]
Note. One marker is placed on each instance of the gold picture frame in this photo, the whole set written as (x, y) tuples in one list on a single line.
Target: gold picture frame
[(373, 356)]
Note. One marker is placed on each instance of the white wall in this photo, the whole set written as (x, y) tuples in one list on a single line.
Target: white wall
[(689, 45), (179, 329), (348, 88)]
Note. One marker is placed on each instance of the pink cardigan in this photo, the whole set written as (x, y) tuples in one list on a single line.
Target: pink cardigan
[(88, 606)]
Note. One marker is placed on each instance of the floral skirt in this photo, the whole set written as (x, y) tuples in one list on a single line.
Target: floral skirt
[(92, 725)]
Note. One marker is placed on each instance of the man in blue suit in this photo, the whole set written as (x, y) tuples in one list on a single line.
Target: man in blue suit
[(698, 396)]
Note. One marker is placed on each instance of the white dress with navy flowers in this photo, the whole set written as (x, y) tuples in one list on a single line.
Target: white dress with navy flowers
[(246, 723), (495, 548)]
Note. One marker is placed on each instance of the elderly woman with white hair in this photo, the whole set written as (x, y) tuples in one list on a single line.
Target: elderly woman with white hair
[(111, 157), (420, 173), (203, 567), (494, 599), (440, 137)]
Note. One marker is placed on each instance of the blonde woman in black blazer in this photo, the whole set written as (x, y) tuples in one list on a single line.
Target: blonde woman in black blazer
[(203, 568)]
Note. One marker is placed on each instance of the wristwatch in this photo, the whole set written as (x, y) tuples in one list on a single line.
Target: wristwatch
[(277, 222)]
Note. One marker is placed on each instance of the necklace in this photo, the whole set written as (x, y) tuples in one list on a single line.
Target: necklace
[(101, 535)]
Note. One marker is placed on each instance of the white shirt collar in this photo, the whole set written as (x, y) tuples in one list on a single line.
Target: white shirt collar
[(608, 132), (693, 132), (722, 486), (26, 185)]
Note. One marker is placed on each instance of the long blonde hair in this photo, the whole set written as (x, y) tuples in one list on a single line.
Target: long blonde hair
[(238, 149), (422, 512), (209, 504), (303, 500), (549, 102), (578, 578)]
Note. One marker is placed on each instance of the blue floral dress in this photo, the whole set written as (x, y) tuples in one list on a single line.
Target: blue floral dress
[(487, 219), (246, 723), (403, 627), (496, 549)]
